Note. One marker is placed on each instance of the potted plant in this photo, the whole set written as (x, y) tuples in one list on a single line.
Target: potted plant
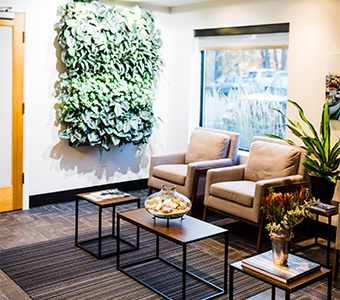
[(322, 160), (284, 211)]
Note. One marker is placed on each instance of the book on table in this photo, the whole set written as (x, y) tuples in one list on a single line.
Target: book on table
[(324, 207), (106, 194), (297, 267)]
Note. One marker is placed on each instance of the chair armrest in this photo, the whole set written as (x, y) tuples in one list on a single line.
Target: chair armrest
[(196, 170), (281, 181), (262, 186), (167, 159), (208, 164), (231, 173)]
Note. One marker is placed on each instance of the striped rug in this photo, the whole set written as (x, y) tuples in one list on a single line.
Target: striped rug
[(56, 269)]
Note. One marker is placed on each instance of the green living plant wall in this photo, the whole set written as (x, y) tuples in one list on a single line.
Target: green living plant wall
[(112, 58)]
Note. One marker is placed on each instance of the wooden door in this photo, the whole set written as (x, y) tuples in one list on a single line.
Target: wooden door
[(12, 38)]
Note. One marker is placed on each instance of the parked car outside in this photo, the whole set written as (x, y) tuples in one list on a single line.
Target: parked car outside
[(258, 77), (224, 84), (276, 90), (231, 83), (275, 95)]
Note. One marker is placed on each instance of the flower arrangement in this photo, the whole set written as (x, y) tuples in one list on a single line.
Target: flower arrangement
[(286, 210)]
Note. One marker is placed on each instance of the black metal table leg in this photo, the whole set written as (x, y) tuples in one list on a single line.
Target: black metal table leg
[(329, 287), (76, 221), (273, 292), (184, 271), (157, 246), (316, 230), (329, 241), (226, 243), (231, 283), (287, 295), (113, 220), (138, 235), (100, 232), (118, 242)]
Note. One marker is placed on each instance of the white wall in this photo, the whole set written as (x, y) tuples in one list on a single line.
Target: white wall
[(314, 32), (51, 165)]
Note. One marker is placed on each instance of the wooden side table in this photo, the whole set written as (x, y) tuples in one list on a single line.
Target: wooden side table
[(101, 204), (287, 287), (328, 215)]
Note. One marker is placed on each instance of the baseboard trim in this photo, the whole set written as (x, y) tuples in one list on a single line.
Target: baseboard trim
[(69, 195)]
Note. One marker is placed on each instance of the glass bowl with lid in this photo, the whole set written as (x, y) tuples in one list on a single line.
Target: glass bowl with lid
[(167, 203)]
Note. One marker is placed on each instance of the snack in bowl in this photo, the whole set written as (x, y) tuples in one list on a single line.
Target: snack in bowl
[(171, 207)]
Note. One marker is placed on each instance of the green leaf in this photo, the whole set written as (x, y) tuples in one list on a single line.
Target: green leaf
[(322, 159), (107, 91), (93, 138), (118, 109)]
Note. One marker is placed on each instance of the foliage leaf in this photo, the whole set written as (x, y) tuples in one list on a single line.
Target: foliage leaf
[(322, 160), (112, 58)]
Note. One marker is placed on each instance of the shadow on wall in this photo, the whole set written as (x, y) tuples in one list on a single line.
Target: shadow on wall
[(87, 159)]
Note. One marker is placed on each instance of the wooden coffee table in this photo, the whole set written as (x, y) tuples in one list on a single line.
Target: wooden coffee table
[(180, 231), (101, 204)]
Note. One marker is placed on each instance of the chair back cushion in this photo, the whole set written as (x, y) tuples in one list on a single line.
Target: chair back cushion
[(270, 160), (205, 145)]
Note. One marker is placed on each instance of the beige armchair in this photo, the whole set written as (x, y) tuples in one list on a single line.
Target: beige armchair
[(208, 148), (237, 191)]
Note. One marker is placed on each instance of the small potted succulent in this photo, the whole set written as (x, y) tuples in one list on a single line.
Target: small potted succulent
[(284, 211)]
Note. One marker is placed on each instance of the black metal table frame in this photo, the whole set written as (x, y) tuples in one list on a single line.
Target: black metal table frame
[(183, 269), (329, 216), (100, 237), (274, 285)]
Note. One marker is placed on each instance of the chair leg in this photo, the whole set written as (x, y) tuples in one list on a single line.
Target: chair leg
[(260, 236), (194, 191), (335, 264), (149, 190), (205, 214), (190, 211)]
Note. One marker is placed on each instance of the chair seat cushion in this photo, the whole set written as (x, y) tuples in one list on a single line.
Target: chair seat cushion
[(270, 160), (175, 173), (207, 145), (241, 192)]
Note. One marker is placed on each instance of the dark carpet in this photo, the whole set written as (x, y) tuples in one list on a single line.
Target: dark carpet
[(56, 269)]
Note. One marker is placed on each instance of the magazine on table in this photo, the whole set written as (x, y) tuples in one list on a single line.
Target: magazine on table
[(106, 194), (324, 207), (297, 267)]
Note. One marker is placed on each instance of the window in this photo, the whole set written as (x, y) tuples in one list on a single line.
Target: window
[(243, 77)]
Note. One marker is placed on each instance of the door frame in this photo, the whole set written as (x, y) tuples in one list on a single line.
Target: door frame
[(18, 42)]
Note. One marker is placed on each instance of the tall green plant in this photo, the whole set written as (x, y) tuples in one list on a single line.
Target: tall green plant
[(112, 59), (321, 160)]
